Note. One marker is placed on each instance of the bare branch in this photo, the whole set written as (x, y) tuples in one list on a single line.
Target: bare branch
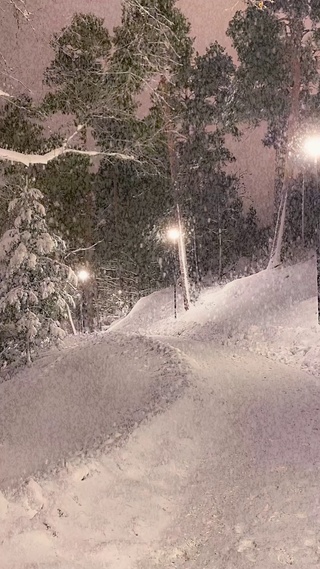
[(83, 249), (19, 7)]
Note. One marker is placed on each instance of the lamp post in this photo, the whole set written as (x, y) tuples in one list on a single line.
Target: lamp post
[(312, 149), (173, 234), (176, 234), (83, 276)]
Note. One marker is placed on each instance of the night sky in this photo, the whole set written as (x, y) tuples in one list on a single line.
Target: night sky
[(26, 49)]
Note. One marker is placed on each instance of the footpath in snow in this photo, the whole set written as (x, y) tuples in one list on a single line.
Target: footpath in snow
[(272, 313), (86, 398), (221, 470)]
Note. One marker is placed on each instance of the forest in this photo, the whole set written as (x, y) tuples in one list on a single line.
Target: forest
[(89, 212)]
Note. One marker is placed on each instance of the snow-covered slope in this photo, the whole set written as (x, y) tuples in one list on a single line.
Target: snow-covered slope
[(80, 400), (273, 313), (228, 472)]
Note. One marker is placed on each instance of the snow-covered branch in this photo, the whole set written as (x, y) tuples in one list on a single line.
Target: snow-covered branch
[(4, 94), (20, 7), (30, 159)]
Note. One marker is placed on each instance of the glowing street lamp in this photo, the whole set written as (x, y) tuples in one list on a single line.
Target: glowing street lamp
[(173, 234), (183, 262), (83, 275), (312, 146)]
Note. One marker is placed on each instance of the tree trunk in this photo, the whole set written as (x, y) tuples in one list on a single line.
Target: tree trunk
[(220, 254), (183, 262), (303, 207), (318, 240), (89, 289), (73, 328), (28, 353), (275, 256), (220, 241), (279, 173), (196, 261)]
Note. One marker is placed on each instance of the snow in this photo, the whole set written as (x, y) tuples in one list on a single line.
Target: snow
[(57, 331), (171, 443), (32, 261), (47, 288), (29, 322), (23, 257), (18, 257), (273, 313), (29, 159), (45, 244), (13, 296), (76, 399), (8, 240)]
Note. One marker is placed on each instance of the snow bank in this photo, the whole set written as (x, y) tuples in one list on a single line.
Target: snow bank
[(106, 512), (81, 399), (273, 313), (149, 312)]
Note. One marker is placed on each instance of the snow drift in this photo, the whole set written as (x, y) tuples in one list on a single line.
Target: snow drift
[(273, 313), (80, 400)]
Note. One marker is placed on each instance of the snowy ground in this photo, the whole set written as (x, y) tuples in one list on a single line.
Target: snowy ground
[(219, 471), (82, 400), (272, 313)]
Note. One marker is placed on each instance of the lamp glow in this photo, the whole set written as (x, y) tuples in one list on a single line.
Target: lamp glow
[(173, 233), (83, 275), (312, 146)]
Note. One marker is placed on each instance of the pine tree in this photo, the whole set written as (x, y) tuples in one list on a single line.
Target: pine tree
[(210, 197), (34, 295), (132, 205), (67, 185), (66, 182), (278, 81), (76, 74), (97, 78), (308, 215)]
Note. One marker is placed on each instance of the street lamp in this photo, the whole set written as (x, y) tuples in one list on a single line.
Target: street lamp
[(173, 235), (83, 276), (312, 146), (176, 235), (312, 149)]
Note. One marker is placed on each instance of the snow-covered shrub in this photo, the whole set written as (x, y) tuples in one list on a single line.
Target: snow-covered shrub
[(35, 286)]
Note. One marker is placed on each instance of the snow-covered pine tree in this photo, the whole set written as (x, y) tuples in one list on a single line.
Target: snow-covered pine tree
[(35, 286)]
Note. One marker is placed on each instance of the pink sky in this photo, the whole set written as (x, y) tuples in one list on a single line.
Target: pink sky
[(27, 52)]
